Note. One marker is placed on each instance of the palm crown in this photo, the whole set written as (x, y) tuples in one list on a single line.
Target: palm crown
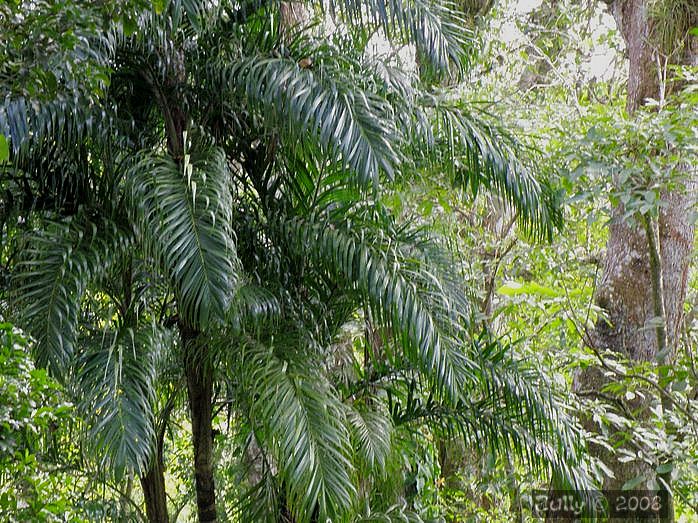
[(240, 163)]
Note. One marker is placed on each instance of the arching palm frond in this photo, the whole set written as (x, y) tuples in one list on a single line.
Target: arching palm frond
[(419, 317), (65, 120), (58, 265), (480, 153), (184, 211), (252, 303), (115, 380), (437, 28), (353, 124), (394, 514), (542, 429), (509, 407), (371, 428), (302, 425)]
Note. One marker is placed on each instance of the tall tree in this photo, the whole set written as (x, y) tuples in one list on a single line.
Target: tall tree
[(645, 270)]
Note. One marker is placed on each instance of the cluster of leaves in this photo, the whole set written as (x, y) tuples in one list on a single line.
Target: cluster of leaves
[(31, 414), (644, 156)]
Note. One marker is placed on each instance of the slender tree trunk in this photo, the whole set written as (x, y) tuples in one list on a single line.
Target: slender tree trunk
[(197, 370), (200, 388), (153, 482), (153, 485), (643, 277)]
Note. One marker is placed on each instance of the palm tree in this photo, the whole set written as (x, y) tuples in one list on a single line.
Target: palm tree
[(214, 147)]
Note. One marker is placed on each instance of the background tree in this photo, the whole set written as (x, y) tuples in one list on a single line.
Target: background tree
[(644, 321)]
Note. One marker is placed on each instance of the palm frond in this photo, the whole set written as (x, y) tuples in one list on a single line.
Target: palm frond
[(509, 407), (115, 380), (483, 154), (58, 265), (184, 211), (542, 429), (354, 125), (67, 119), (371, 430), (303, 428), (394, 514), (252, 303), (437, 28), (261, 502), (401, 293)]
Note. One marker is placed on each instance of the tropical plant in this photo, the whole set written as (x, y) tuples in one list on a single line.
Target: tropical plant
[(209, 172)]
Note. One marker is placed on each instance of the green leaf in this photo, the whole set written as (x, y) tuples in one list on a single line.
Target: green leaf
[(633, 483), (679, 386), (665, 468), (371, 432), (513, 288), (117, 373), (426, 314), (488, 157), (130, 25), (4, 149)]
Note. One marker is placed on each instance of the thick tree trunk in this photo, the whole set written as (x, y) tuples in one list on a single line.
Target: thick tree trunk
[(626, 287), (200, 388), (153, 484)]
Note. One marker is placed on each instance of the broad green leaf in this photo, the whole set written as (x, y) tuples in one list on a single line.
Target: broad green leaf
[(664, 468), (514, 288), (679, 386), (4, 149)]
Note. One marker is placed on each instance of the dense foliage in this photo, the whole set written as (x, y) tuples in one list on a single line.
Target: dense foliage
[(279, 261)]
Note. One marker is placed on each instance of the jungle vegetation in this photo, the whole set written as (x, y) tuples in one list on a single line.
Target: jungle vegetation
[(346, 261)]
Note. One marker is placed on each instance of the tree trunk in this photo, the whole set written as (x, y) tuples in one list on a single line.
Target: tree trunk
[(200, 388), (197, 369), (153, 484), (626, 287)]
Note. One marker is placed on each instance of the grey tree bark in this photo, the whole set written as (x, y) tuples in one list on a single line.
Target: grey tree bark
[(625, 290)]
